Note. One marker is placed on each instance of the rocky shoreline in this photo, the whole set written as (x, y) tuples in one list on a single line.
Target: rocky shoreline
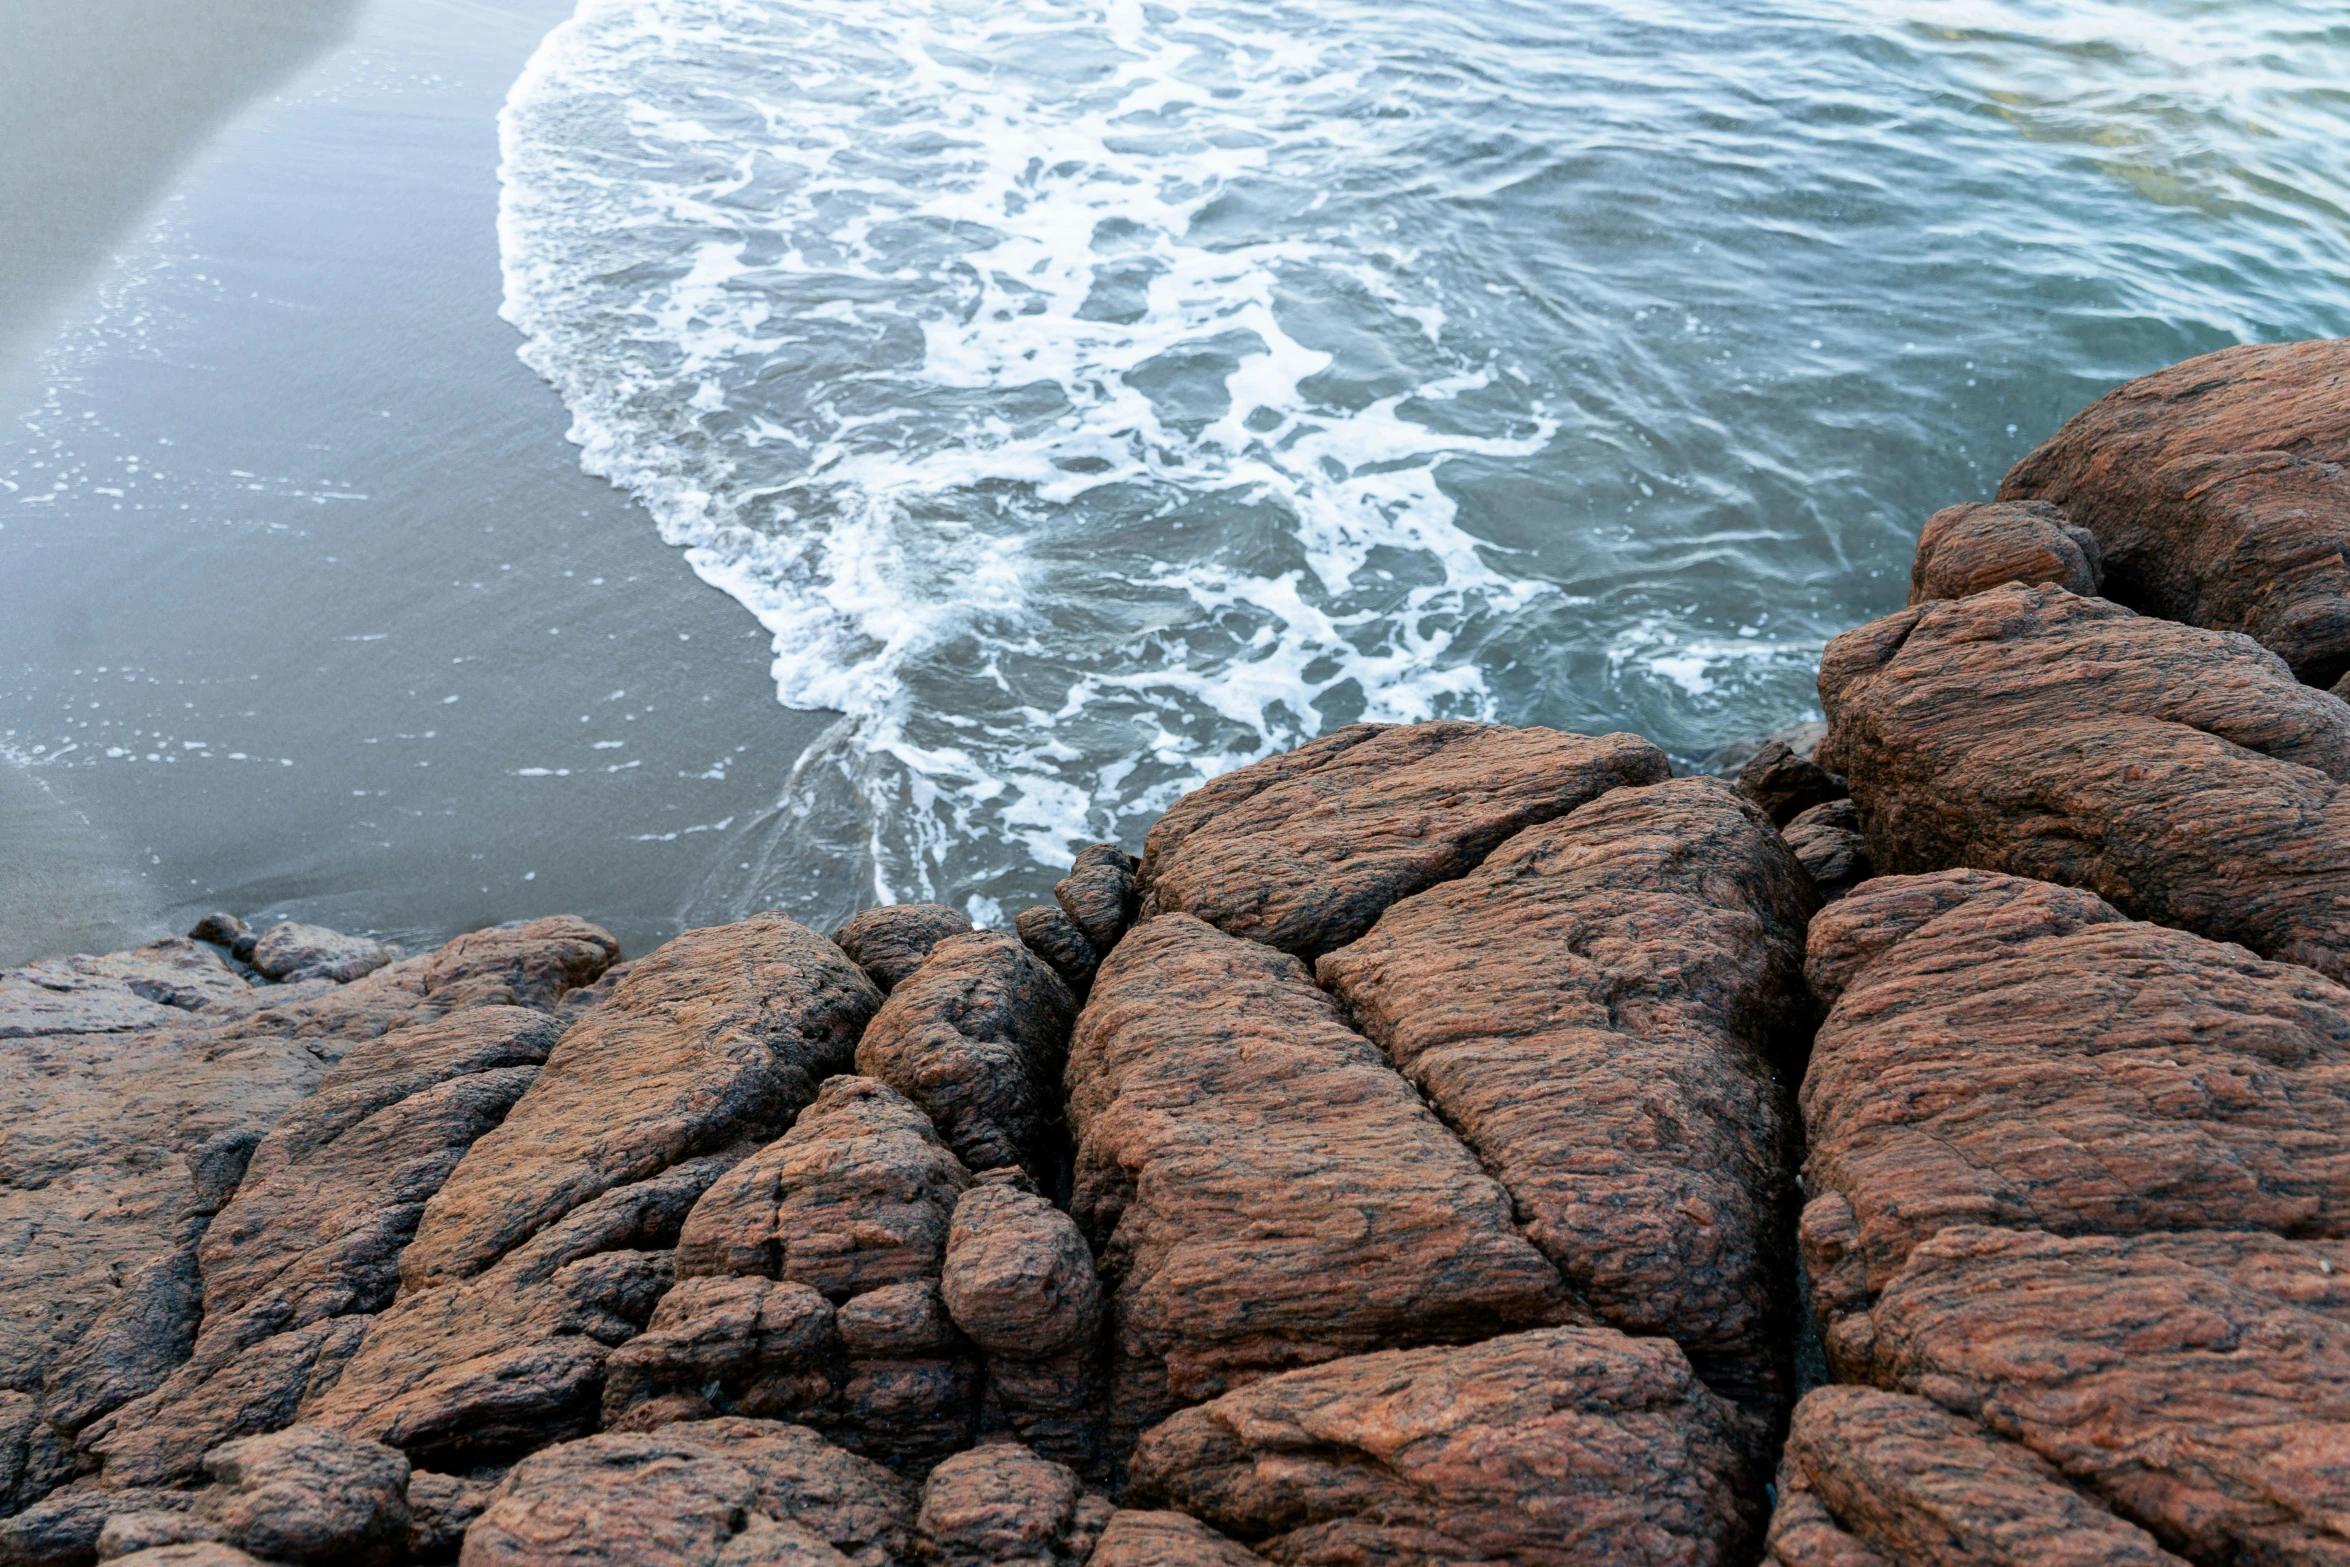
[(1446, 1142)]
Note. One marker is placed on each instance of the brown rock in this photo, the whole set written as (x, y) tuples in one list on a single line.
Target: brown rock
[(2180, 774), (722, 1345), (440, 1509), (891, 943), (1001, 1503), (721, 1035), (2029, 1059), (1139, 1537), (977, 1038), (311, 1495), (1054, 937), (62, 1529), (1916, 1484), (1596, 1011), (720, 1491), (1834, 852), (1302, 851), (2196, 1383), (1964, 550), (1846, 939), (1786, 785), (2216, 493), (1241, 1149), (194, 1553), (291, 952), (1802, 1534), (35, 1457), (1020, 1281), (1563, 1445), (1099, 894), (134, 1343)]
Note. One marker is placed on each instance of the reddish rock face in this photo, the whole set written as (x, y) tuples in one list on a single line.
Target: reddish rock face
[(2180, 774), (2216, 492), (1879, 1477), (1000, 1503), (1570, 1445), (721, 1035), (891, 943), (1141, 1537), (1021, 1282), (1240, 1149), (1302, 851), (1596, 1010), (1969, 549)]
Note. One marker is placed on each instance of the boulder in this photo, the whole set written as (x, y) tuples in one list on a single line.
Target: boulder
[(1834, 852), (1728, 761), (1099, 894), (736, 1492), (1054, 937), (1000, 1503), (1566, 1445), (891, 943), (1786, 785), (721, 1035), (2180, 774), (2030, 1059), (977, 1038), (1302, 851), (2216, 492), (292, 952), (63, 1528), (1241, 1150), (1146, 1537), (311, 1495), (1598, 1011), (440, 1509), (1882, 1477), (1968, 549), (1020, 1281)]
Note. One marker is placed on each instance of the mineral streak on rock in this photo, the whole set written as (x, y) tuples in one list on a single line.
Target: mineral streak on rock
[(1000, 1503), (1261, 1189), (721, 1035), (1566, 1445), (2197, 1383), (1596, 1011), (1099, 894), (1302, 851), (1145, 1537), (1882, 1477), (977, 1038), (2218, 497), (1969, 549), (891, 943), (2181, 774), (2028, 1058)]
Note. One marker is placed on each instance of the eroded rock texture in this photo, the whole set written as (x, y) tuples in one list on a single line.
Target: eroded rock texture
[(1969, 549), (2216, 491), (1874, 1477), (1240, 1150), (1099, 894), (1596, 1010), (2181, 774), (1052, 935), (1786, 783), (1303, 851), (977, 1038), (1021, 1282), (1828, 841), (1565, 1445), (891, 943), (1001, 1504), (1153, 1537)]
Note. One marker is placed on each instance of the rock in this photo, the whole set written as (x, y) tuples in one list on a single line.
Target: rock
[(1054, 937), (135, 1342), (311, 1495), (199, 1553), (1020, 1281), (1834, 852), (216, 1167), (1846, 939), (891, 943), (63, 1529), (1803, 1535), (1099, 894), (1000, 1503), (977, 1039), (34, 1456), (721, 1035), (2195, 1383), (220, 929), (725, 1345), (1557, 1446), (514, 1359), (1302, 851), (2180, 774), (156, 986), (292, 952), (1596, 1011), (1140, 1537), (1785, 785), (719, 1491), (2030, 1059), (1239, 1150), (440, 1509), (1908, 1481), (1728, 761), (1964, 550), (2217, 496), (136, 1534), (533, 964)]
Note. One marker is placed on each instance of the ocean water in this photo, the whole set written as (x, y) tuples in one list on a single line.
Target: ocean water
[(1089, 398)]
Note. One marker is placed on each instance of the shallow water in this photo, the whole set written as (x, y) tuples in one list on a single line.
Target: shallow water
[(1091, 398)]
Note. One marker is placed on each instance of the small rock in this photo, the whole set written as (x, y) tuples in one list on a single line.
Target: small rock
[(195, 1553), (1098, 894), (1786, 785), (1137, 1537), (216, 1166), (292, 952), (1020, 1280), (221, 930), (1828, 840), (1053, 936), (63, 1527), (440, 1509), (1973, 548), (308, 1494), (891, 943), (1000, 1503)]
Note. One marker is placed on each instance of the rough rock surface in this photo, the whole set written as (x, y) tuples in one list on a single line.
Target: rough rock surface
[(155, 986), (2180, 774), (891, 943), (977, 1038), (721, 1035), (192, 1554), (2029, 1058), (1000, 1503), (1969, 549), (1240, 1148), (2217, 494), (1896, 1479), (290, 952), (311, 1495), (1563, 1445), (1784, 784), (1020, 1281), (1099, 894), (1596, 1010), (440, 1509), (1148, 1537), (64, 1527), (1302, 851), (1828, 840), (742, 1493), (1053, 936)]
